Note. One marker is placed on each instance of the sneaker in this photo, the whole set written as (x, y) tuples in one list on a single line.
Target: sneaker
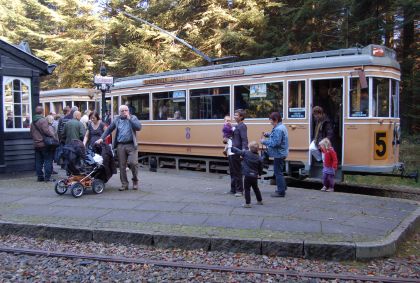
[(324, 188), (246, 205), (278, 195), (123, 189), (330, 190), (239, 194), (260, 203)]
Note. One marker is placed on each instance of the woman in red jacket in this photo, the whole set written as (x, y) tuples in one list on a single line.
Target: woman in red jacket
[(330, 165)]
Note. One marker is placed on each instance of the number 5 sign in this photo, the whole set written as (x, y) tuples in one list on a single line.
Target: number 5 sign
[(380, 146)]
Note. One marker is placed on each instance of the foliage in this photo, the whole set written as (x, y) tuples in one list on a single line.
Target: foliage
[(71, 33)]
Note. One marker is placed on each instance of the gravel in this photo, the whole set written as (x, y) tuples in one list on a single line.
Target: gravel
[(23, 268)]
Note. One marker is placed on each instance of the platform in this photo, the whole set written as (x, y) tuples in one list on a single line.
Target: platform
[(190, 210)]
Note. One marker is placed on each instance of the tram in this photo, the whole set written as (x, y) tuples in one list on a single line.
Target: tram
[(56, 100), (182, 111)]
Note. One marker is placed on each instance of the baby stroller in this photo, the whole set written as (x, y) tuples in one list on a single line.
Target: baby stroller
[(85, 170)]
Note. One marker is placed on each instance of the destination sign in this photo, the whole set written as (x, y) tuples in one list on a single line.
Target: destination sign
[(196, 76)]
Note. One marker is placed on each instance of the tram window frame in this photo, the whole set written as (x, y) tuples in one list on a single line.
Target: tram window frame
[(20, 109), (200, 93), (358, 91), (168, 100), (395, 98), (302, 96), (378, 98), (141, 115), (276, 97)]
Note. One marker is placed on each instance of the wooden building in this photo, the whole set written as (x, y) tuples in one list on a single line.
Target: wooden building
[(20, 74)]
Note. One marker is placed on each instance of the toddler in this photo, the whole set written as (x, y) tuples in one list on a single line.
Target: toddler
[(227, 135), (252, 167), (329, 163)]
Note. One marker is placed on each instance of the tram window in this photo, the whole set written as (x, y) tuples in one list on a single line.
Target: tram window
[(115, 106), (259, 100), (296, 99), (169, 105), (395, 96), (359, 99), (16, 103), (209, 103), (380, 100), (68, 103), (138, 105), (58, 107), (82, 105), (91, 105)]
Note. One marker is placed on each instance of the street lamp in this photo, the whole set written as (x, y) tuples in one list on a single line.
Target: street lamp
[(103, 83)]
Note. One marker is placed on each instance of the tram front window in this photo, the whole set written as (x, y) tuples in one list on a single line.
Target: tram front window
[(259, 100), (209, 103), (138, 105), (359, 99), (169, 105)]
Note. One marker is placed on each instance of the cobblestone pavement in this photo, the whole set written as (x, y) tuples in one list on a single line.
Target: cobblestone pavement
[(191, 210)]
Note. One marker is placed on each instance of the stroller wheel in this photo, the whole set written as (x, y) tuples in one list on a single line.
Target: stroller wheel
[(60, 187), (98, 186), (77, 189)]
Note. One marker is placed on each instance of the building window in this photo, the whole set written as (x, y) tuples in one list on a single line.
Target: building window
[(259, 100), (169, 105), (359, 99), (16, 103), (138, 105), (209, 103), (296, 93)]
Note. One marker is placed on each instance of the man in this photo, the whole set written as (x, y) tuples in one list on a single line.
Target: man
[(43, 155), (240, 141), (74, 129), (125, 141), (68, 115), (322, 129)]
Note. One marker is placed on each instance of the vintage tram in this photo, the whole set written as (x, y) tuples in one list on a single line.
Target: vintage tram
[(56, 100), (182, 111)]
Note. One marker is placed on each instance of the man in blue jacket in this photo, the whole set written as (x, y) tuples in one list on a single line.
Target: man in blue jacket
[(277, 143), (126, 126)]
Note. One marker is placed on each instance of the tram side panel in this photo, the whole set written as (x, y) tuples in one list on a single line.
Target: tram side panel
[(369, 147)]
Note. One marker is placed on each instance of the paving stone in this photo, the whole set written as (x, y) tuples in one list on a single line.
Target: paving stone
[(179, 218), (122, 237), (184, 242), (128, 215), (289, 247), (236, 245), (304, 226), (239, 222), (10, 198), (208, 208), (81, 212), (160, 206), (329, 251)]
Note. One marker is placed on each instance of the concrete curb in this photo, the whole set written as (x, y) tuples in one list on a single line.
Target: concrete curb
[(292, 247)]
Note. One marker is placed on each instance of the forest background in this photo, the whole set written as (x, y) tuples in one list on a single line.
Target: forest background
[(80, 35)]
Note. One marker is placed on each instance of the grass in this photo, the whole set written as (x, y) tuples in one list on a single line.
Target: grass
[(409, 155)]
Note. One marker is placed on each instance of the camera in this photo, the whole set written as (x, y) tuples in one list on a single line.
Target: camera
[(267, 134)]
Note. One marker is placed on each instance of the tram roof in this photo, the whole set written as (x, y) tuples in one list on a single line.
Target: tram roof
[(316, 60), (67, 92)]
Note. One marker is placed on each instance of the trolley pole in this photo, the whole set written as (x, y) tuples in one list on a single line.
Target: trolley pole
[(103, 83)]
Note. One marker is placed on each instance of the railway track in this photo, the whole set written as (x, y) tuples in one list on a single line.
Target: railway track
[(213, 268)]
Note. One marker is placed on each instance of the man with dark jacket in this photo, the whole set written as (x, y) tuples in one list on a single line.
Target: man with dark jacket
[(74, 129), (322, 128), (240, 141), (43, 155), (68, 115), (126, 125)]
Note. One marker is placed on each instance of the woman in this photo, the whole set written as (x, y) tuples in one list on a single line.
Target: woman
[(50, 120), (277, 143), (95, 129)]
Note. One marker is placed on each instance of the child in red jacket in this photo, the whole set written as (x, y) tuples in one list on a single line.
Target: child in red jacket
[(330, 165)]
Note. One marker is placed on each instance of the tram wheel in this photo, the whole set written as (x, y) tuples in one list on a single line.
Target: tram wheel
[(77, 189)]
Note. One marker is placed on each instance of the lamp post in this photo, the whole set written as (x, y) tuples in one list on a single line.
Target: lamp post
[(103, 83)]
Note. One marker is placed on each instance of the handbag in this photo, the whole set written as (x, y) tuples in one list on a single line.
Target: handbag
[(50, 142)]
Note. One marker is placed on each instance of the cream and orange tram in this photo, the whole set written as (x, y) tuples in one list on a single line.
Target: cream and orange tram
[(182, 111)]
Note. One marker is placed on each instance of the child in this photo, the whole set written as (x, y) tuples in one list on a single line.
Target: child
[(227, 134), (252, 167), (330, 165)]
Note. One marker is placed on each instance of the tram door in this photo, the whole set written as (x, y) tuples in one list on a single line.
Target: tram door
[(328, 94)]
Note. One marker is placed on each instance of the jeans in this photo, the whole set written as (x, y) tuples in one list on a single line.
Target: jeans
[(43, 160), (248, 183), (278, 173)]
